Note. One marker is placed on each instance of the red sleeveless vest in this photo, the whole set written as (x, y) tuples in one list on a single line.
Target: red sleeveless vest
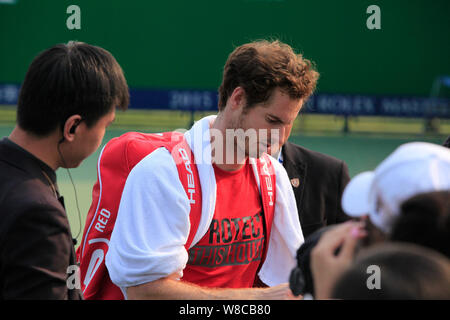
[(116, 160)]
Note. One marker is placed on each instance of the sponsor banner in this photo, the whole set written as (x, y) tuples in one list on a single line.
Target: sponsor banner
[(187, 100), (9, 93), (390, 106), (321, 103)]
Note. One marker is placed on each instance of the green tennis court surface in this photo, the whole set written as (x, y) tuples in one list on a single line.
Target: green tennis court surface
[(363, 149)]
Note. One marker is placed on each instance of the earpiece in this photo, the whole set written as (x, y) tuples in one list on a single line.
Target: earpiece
[(72, 130)]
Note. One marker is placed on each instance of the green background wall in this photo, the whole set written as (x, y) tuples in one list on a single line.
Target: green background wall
[(184, 44)]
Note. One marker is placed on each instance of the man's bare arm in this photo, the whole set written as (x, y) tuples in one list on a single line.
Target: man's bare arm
[(172, 289)]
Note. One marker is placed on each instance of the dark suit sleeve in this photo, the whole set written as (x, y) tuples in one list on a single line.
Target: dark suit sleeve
[(344, 178), (35, 255)]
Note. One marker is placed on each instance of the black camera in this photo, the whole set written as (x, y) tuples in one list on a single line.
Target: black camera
[(301, 280)]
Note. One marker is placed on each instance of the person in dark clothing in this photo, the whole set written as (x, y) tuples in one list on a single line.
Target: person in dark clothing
[(318, 181), (395, 271), (67, 100)]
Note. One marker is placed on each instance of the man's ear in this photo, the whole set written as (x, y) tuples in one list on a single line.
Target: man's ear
[(238, 98), (70, 127)]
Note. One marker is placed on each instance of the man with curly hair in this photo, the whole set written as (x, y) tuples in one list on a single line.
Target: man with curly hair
[(242, 249)]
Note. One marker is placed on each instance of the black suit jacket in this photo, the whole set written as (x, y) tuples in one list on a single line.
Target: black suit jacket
[(318, 181), (35, 240)]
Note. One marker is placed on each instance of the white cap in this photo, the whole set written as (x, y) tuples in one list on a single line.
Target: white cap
[(413, 168)]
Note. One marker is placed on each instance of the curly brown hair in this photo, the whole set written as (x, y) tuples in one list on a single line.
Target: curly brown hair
[(261, 66)]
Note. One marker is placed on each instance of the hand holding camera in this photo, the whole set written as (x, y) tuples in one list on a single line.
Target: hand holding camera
[(333, 254)]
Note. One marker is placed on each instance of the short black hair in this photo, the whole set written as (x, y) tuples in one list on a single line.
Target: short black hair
[(407, 271), (69, 79), (425, 220)]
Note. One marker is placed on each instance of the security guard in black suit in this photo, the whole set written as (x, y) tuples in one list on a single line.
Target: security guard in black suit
[(35, 237), (318, 181), (66, 101)]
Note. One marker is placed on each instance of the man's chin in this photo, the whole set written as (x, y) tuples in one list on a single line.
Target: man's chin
[(270, 150), (72, 165)]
